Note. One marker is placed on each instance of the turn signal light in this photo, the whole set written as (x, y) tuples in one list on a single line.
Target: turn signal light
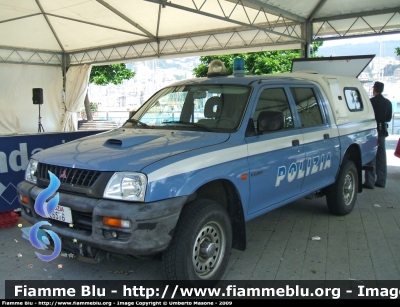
[(24, 199), (116, 222)]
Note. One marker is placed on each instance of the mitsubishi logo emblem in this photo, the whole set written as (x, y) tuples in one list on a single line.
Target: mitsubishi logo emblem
[(64, 174)]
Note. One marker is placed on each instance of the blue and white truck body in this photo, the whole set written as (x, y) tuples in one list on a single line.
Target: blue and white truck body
[(198, 160)]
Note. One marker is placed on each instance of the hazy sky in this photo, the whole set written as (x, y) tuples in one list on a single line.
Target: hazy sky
[(338, 42)]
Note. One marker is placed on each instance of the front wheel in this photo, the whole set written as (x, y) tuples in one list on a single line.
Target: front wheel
[(341, 196), (201, 244)]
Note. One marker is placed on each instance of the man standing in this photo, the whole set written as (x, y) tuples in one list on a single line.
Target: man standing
[(383, 115)]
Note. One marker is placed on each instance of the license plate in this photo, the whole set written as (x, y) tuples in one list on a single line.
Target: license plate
[(62, 214)]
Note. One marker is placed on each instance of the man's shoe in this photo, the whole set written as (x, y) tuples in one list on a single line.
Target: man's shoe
[(367, 187), (379, 185)]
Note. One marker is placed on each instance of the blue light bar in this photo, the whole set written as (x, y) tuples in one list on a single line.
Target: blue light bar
[(238, 67)]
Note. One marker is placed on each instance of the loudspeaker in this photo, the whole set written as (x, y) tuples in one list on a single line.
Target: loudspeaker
[(37, 95)]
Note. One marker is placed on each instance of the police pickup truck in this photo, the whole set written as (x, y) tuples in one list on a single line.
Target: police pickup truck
[(183, 175)]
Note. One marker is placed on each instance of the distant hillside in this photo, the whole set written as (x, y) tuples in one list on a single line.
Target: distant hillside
[(387, 49)]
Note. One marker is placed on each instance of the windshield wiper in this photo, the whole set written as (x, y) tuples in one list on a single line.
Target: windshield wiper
[(136, 121), (189, 123)]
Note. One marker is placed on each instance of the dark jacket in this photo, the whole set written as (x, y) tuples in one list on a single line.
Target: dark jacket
[(383, 113)]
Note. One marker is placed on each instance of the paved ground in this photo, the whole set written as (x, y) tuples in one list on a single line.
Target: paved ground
[(364, 245)]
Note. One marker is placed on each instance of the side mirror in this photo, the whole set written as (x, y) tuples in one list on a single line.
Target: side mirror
[(250, 130)]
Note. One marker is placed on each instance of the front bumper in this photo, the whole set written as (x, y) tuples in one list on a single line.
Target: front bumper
[(152, 224)]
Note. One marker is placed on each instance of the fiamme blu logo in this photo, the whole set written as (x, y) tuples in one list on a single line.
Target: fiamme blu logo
[(45, 208)]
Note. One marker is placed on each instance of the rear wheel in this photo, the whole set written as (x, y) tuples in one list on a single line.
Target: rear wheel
[(201, 244), (341, 196)]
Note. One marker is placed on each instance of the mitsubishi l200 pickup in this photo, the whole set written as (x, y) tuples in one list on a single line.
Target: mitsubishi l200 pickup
[(200, 158)]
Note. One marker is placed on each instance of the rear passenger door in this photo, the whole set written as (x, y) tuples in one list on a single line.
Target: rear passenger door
[(321, 144), (276, 156)]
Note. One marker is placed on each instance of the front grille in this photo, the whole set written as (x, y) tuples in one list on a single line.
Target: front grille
[(72, 176), (82, 220)]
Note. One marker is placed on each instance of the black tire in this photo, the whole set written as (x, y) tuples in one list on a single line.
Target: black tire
[(342, 195), (203, 223)]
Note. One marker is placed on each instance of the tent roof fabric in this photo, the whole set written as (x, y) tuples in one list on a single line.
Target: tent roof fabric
[(99, 31)]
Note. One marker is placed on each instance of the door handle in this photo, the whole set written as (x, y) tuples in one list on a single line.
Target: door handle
[(326, 136), (295, 143)]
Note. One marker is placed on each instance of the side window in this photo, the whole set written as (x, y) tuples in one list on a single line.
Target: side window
[(307, 106), (353, 99), (272, 111)]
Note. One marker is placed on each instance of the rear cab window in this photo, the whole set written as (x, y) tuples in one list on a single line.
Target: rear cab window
[(353, 99)]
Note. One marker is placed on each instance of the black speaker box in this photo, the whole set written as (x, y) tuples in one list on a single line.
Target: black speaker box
[(37, 95)]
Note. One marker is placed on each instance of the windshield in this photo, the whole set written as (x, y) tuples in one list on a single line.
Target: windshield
[(217, 108)]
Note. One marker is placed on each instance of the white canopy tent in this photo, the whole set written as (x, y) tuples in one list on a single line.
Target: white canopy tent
[(50, 36), (18, 115)]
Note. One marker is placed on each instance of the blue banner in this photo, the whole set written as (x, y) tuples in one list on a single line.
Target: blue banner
[(15, 152)]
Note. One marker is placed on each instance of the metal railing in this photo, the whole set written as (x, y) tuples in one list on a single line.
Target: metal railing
[(121, 116), (118, 117), (395, 123)]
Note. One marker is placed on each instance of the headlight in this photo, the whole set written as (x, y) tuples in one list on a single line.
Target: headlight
[(30, 172), (126, 186)]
